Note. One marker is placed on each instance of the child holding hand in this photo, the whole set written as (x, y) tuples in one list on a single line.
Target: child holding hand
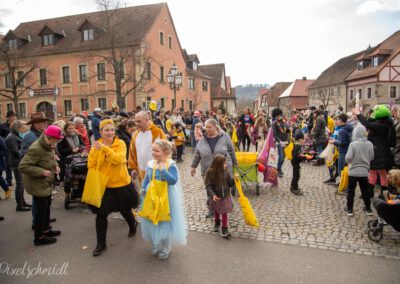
[(165, 233), (218, 183)]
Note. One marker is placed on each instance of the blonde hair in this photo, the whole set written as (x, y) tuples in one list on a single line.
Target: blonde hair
[(394, 177), (164, 145), (59, 123)]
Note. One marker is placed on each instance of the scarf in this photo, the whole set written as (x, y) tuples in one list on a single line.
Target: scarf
[(73, 141)]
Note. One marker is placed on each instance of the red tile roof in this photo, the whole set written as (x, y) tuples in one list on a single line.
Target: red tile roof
[(391, 44), (300, 88), (133, 24), (274, 92), (216, 71)]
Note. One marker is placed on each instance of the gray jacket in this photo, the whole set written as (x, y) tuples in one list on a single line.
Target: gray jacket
[(360, 153), (204, 156)]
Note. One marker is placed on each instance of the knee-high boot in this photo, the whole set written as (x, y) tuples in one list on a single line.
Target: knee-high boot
[(101, 233)]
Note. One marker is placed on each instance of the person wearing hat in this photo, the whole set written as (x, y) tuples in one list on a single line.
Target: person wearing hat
[(382, 134), (38, 168), (4, 131), (297, 158), (96, 118), (108, 155), (38, 122)]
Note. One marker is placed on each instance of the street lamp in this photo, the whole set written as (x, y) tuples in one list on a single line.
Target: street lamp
[(174, 78), (55, 93)]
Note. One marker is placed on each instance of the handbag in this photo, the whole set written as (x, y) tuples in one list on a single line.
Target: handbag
[(95, 186), (248, 213), (289, 149), (344, 179), (156, 203)]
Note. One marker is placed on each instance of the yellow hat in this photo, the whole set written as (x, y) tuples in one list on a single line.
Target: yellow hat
[(153, 105), (104, 122)]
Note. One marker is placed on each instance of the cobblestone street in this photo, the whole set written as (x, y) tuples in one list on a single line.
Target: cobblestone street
[(314, 220)]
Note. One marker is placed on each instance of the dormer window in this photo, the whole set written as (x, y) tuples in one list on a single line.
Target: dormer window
[(375, 61), (87, 34), (13, 44), (48, 39), (194, 65), (360, 65)]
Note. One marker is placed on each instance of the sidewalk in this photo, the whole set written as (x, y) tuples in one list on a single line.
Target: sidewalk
[(207, 258)]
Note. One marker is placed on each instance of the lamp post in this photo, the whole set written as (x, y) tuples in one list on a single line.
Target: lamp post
[(55, 93), (174, 78)]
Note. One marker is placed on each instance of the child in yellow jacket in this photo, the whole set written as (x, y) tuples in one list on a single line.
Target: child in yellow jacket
[(179, 139)]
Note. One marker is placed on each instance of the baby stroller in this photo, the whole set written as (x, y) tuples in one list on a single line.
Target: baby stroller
[(248, 168), (389, 214), (74, 179)]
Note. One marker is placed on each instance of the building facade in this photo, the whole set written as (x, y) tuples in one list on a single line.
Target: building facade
[(78, 63), (295, 97)]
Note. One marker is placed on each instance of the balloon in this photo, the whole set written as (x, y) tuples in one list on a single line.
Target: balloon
[(153, 105), (261, 168)]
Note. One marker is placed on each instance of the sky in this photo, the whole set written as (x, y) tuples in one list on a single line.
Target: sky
[(260, 41)]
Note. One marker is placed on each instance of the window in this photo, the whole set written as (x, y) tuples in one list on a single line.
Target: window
[(43, 77), (161, 74), (148, 70), (359, 94), (87, 34), (10, 107), (103, 103), (161, 38), (67, 108), (393, 92), (205, 86), (194, 64), (48, 40), (190, 105), (8, 81), (101, 71), (22, 110), (182, 104), (351, 95), (13, 44), (170, 42), (162, 102), (359, 65), (191, 84), (369, 93), (66, 75), (83, 76), (338, 91), (375, 61), (20, 78), (84, 104)]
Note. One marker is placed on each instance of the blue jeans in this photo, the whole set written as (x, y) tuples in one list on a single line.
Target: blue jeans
[(281, 156), (341, 163)]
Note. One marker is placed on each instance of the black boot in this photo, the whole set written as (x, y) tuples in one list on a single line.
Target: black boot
[(132, 230), (100, 248), (217, 226)]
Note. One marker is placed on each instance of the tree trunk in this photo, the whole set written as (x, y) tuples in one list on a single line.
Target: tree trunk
[(16, 107)]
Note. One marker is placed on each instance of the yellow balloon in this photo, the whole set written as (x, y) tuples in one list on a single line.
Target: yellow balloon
[(153, 105)]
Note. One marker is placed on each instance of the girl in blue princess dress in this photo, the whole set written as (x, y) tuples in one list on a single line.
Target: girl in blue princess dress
[(164, 234)]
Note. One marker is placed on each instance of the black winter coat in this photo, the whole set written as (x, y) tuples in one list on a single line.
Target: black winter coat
[(65, 149), (124, 136), (14, 143), (378, 134)]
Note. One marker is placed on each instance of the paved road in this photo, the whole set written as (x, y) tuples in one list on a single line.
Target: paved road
[(314, 220), (206, 259)]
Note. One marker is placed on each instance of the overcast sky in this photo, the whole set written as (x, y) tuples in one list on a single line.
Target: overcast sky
[(260, 41)]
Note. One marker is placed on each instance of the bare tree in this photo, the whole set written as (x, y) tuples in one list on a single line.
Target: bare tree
[(326, 97), (15, 72), (119, 55)]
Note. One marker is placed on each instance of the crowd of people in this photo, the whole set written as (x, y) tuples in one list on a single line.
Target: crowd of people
[(142, 148)]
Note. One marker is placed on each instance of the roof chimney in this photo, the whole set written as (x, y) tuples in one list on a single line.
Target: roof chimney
[(29, 38), (304, 78)]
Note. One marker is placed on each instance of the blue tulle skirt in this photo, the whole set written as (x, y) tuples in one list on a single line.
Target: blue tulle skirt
[(173, 232)]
